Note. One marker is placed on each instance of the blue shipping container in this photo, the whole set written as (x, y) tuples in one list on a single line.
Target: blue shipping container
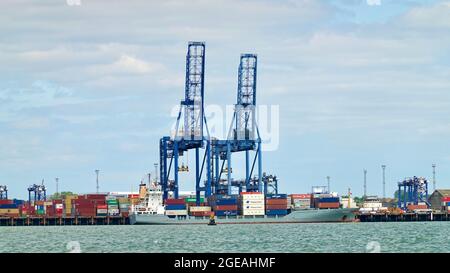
[(226, 202), (276, 196), (276, 212), (9, 206), (226, 212), (18, 202), (175, 207), (328, 200)]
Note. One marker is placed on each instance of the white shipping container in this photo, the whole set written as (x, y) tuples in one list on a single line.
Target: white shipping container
[(252, 196), (102, 211), (176, 212), (199, 209), (253, 202), (59, 206), (246, 207), (253, 212)]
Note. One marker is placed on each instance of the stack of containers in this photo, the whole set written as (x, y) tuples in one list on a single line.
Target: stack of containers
[(203, 210), (27, 210), (68, 203), (276, 204), (301, 201), (58, 207), (251, 203), (102, 210), (446, 204), (113, 206), (86, 205), (9, 208), (39, 207), (175, 207), (224, 205), (134, 199), (124, 206), (325, 201)]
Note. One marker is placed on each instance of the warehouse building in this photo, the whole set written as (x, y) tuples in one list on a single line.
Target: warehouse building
[(435, 199)]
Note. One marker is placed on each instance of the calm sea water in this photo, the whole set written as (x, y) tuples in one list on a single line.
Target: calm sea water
[(345, 237)]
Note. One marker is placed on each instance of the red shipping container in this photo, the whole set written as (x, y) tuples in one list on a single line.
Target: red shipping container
[(202, 213), (102, 206), (272, 207), (300, 196), (446, 199), (277, 202), (175, 202), (329, 205), (226, 207), (6, 202), (413, 207)]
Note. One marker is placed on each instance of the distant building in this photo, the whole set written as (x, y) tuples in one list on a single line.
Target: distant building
[(435, 198), (389, 202), (345, 204)]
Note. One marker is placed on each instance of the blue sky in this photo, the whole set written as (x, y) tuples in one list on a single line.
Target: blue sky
[(93, 86)]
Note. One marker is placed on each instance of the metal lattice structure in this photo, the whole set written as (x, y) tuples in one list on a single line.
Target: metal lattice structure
[(191, 136), (241, 136), (39, 193), (3, 192), (414, 190)]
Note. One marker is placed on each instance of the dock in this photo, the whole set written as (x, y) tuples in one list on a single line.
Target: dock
[(64, 221), (404, 217)]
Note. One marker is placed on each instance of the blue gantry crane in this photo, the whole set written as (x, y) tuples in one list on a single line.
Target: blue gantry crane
[(191, 136), (414, 190), (3, 192), (243, 135), (39, 192)]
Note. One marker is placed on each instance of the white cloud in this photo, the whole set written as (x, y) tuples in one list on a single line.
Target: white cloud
[(430, 17)]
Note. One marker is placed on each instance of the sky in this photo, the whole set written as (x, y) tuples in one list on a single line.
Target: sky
[(93, 84)]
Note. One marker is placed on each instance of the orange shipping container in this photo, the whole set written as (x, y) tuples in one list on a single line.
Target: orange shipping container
[(329, 205), (277, 202)]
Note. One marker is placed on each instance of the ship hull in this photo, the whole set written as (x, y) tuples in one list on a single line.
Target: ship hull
[(298, 216)]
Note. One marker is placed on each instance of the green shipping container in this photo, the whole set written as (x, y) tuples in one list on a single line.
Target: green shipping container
[(193, 200), (40, 211), (112, 202)]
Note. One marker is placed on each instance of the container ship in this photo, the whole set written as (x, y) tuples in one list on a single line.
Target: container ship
[(245, 208)]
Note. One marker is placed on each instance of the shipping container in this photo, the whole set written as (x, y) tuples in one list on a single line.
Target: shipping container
[(9, 211), (277, 202), (225, 207), (276, 196), (175, 207), (275, 207), (329, 205), (226, 212), (194, 200), (253, 212), (328, 200), (199, 209), (201, 213), (6, 202), (9, 206), (176, 212), (276, 212), (175, 202)]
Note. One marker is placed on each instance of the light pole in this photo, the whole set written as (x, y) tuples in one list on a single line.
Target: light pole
[(384, 180), (97, 172)]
